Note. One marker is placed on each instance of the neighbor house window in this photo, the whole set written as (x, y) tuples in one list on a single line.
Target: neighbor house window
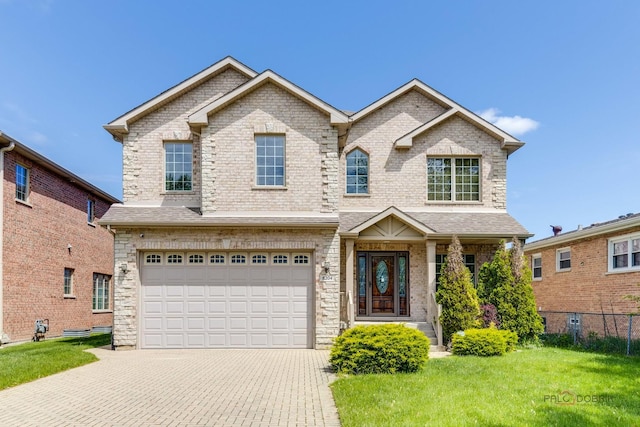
[(563, 259), (270, 160), (22, 183), (536, 266), (624, 253), (91, 211), (68, 281), (178, 166), (357, 172), (455, 180), (101, 291)]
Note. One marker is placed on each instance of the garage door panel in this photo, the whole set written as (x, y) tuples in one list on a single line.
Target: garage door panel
[(174, 323), (226, 305), (195, 307), (174, 307)]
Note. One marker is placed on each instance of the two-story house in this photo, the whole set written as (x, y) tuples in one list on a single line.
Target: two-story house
[(56, 263), (257, 215)]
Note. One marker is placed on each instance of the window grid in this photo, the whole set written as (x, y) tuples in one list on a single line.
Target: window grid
[(22, 183), (196, 259), (178, 166), (217, 259), (625, 254), (238, 259), (258, 259), (357, 172), (174, 259), (301, 259), (68, 281), (270, 160), (101, 291), (469, 262), (280, 259), (153, 259), (460, 182)]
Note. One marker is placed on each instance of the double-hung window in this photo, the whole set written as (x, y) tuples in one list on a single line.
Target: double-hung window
[(563, 259), (68, 281), (536, 266), (357, 172), (270, 160), (178, 166), (101, 291), (453, 179), (624, 253), (22, 183)]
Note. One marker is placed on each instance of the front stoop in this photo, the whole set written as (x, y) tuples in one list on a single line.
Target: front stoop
[(424, 327)]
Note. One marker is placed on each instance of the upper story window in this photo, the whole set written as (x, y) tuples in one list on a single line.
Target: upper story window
[(22, 183), (91, 211), (357, 172), (178, 166), (536, 266), (451, 179), (563, 259), (270, 160), (624, 253)]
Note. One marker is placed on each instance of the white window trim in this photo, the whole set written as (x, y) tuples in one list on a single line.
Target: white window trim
[(257, 186), (71, 284), (164, 168), (293, 259), (247, 261), (534, 257), (195, 254), (453, 178), (224, 255), (146, 262), (558, 252), (618, 239), (169, 255), (259, 254), (27, 190), (346, 175)]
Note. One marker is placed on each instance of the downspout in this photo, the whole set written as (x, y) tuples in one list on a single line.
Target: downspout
[(2, 151)]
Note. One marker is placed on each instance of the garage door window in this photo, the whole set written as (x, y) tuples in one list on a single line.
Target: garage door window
[(238, 259), (174, 259), (196, 259), (258, 259), (217, 259), (153, 259), (301, 259), (280, 259)]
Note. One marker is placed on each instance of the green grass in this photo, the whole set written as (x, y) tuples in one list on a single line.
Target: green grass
[(27, 362), (512, 390)]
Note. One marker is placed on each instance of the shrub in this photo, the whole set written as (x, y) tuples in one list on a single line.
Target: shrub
[(377, 349), (489, 316), (483, 342)]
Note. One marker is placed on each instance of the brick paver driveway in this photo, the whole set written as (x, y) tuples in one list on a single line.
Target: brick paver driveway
[(180, 387)]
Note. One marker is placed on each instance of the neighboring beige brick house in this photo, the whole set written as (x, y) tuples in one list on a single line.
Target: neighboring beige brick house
[(257, 215), (587, 271), (55, 262)]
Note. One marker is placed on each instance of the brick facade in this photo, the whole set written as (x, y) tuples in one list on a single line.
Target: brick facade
[(40, 239)]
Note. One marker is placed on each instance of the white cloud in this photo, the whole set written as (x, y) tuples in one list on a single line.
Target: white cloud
[(515, 125)]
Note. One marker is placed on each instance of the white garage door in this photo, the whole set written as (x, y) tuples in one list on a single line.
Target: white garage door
[(226, 299)]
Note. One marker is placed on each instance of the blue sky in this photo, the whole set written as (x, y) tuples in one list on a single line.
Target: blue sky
[(564, 76)]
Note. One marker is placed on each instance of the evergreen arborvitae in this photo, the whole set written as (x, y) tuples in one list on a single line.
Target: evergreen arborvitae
[(505, 282), (456, 294)]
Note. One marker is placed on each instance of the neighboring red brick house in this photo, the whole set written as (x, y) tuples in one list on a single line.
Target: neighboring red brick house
[(56, 263), (589, 270)]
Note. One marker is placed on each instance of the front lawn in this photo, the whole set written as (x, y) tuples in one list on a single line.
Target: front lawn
[(27, 362), (532, 387)]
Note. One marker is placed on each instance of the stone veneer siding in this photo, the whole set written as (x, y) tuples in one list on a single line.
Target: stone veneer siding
[(129, 244)]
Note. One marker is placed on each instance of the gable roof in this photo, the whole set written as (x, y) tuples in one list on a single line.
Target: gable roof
[(395, 212), (620, 224), (200, 117), (509, 142), (11, 144), (119, 126)]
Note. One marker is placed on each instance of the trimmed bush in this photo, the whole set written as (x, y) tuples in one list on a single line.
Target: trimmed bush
[(483, 342), (379, 349)]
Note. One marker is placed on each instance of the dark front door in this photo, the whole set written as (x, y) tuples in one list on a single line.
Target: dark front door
[(383, 289)]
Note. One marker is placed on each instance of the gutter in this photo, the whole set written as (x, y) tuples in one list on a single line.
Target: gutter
[(3, 150)]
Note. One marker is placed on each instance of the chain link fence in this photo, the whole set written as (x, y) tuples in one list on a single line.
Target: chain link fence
[(606, 332)]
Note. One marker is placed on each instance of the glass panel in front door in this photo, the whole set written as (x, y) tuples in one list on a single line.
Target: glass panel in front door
[(383, 289)]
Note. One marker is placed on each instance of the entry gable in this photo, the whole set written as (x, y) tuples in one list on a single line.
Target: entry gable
[(200, 117), (391, 224)]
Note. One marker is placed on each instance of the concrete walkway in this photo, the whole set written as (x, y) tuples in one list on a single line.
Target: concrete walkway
[(180, 388)]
